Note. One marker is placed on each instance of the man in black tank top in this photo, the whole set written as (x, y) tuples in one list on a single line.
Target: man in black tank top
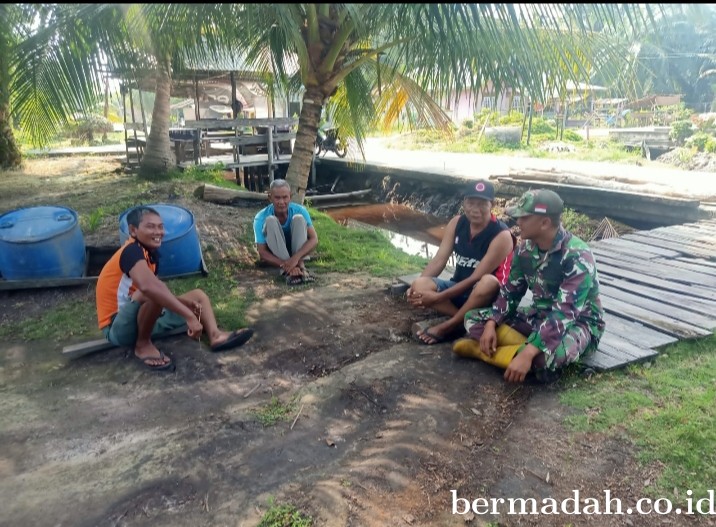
[(482, 246)]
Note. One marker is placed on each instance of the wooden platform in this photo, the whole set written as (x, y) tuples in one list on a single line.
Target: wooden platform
[(657, 287)]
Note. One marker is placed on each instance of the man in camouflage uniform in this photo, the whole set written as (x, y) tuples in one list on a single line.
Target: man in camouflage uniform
[(565, 319)]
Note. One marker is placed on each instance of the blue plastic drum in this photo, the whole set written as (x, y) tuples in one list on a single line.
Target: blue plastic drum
[(41, 242), (180, 252)]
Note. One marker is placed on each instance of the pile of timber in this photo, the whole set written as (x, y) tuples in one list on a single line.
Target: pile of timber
[(623, 205), (227, 196)]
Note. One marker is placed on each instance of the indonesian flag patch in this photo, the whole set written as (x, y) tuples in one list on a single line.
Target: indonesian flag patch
[(541, 209)]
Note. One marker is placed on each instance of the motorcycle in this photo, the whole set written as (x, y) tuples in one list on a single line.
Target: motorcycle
[(328, 139)]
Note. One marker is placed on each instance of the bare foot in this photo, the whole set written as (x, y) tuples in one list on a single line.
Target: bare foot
[(219, 337)]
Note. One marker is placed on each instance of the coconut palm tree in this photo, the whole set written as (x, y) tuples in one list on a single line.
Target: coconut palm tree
[(15, 20), (62, 66), (372, 59), (353, 52)]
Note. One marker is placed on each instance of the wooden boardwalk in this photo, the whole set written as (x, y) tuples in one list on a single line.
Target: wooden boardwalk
[(657, 287)]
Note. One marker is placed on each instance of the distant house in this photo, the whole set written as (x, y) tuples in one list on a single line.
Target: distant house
[(465, 104)]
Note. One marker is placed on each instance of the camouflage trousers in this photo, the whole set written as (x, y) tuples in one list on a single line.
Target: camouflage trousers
[(574, 343)]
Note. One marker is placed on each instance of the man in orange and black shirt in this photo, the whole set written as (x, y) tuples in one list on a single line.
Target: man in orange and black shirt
[(133, 305)]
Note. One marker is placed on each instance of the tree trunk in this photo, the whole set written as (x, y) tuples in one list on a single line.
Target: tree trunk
[(300, 166), (158, 158), (9, 152)]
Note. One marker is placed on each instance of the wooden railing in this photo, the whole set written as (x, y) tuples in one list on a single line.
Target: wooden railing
[(263, 136)]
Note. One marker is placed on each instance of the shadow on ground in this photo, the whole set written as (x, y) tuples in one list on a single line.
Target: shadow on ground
[(377, 429)]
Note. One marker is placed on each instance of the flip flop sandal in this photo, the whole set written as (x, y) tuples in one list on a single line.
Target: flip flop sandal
[(294, 280), (308, 277), (168, 366), (236, 339)]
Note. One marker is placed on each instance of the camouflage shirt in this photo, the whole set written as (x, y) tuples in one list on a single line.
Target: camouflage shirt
[(565, 290)]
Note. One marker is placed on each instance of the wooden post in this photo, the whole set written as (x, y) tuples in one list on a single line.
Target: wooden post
[(529, 125), (235, 114), (196, 99), (269, 135), (124, 111), (134, 128), (144, 119)]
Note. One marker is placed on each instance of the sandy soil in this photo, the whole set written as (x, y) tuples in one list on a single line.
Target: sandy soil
[(379, 428)]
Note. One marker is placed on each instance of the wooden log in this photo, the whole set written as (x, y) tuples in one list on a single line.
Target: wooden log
[(225, 196), (85, 348), (322, 198)]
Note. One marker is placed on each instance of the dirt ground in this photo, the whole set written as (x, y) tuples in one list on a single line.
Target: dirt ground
[(379, 429)]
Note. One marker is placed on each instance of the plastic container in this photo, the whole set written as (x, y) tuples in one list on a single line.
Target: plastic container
[(41, 243), (180, 252)]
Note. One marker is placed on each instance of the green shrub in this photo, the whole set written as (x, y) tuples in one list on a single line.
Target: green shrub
[(540, 125), (710, 145), (680, 130), (698, 141), (84, 129), (571, 135), (285, 515), (577, 223), (468, 123), (512, 118)]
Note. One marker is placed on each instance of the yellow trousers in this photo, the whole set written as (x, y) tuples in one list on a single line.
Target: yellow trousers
[(509, 341)]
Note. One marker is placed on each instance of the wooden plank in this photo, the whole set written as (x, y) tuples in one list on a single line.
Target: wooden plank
[(241, 123), (657, 269), (698, 305), (600, 361), (672, 263), (255, 160), (630, 252), (624, 350), (665, 242), (697, 292), (637, 333), (645, 249), (261, 139), (85, 348), (11, 285), (697, 261), (653, 320), (696, 228), (655, 306), (695, 240), (687, 265)]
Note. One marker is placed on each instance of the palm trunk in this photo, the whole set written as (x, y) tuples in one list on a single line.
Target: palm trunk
[(158, 158), (9, 152), (302, 157)]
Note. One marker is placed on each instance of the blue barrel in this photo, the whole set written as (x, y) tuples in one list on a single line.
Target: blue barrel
[(41, 242), (180, 252)]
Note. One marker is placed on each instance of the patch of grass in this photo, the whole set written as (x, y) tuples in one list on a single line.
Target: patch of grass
[(91, 222), (342, 249), (578, 223), (666, 408), (466, 141), (275, 411), (285, 515), (214, 175), (222, 284), (74, 319)]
